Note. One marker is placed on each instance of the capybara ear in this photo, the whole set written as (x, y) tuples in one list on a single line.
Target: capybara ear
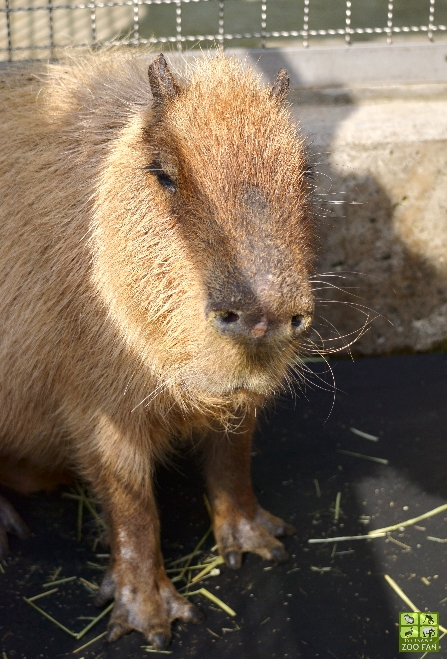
[(280, 86), (161, 80)]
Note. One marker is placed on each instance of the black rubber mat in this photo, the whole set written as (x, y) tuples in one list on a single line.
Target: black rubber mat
[(325, 602)]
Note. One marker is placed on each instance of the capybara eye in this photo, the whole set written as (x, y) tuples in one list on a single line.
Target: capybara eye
[(166, 181)]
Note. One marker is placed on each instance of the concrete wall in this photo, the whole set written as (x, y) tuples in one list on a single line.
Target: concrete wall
[(382, 188)]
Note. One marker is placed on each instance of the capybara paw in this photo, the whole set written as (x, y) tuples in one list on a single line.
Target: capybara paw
[(274, 525), (149, 611), (122, 621), (240, 534), (10, 522)]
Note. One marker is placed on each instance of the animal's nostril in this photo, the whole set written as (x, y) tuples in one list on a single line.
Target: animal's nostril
[(229, 323), (297, 321), (229, 317)]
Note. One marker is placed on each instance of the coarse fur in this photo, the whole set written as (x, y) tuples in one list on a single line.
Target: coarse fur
[(132, 225)]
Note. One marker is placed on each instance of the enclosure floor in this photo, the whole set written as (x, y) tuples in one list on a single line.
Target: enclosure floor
[(294, 609)]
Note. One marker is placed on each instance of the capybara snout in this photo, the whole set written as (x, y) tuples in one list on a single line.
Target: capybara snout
[(250, 319), (155, 258), (265, 293)]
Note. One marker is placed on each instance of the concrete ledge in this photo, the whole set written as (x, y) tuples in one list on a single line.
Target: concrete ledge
[(358, 64)]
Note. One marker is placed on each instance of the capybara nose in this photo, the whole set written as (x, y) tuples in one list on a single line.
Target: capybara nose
[(243, 324)]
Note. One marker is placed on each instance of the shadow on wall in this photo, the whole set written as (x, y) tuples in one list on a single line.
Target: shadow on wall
[(381, 179), (388, 238), (388, 248)]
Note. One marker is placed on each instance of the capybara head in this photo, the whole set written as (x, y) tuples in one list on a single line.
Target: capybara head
[(205, 259)]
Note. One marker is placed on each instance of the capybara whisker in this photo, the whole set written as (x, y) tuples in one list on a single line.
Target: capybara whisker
[(354, 333), (361, 308)]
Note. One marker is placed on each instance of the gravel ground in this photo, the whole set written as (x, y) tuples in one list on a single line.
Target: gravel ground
[(324, 602)]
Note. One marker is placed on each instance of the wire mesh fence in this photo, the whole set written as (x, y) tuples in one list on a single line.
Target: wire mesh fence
[(37, 28)]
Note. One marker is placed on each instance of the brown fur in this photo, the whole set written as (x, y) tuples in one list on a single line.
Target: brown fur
[(110, 286)]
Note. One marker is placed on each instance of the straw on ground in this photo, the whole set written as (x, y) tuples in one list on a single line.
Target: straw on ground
[(59, 581), (75, 635), (211, 566), (337, 507), (365, 435), (347, 537), (399, 543), (48, 592), (191, 556), (410, 522), (50, 618), (372, 458), (406, 599), (214, 599), (93, 640)]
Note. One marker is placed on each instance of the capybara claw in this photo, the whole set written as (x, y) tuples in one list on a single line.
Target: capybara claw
[(10, 522), (257, 534), (159, 640), (233, 559), (274, 525), (116, 630), (279, 554), (194, 615)]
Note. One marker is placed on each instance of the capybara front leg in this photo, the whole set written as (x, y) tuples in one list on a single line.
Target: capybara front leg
[(145, 598), (10, 522), (239, 522)]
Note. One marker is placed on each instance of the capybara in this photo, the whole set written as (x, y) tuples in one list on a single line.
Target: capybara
[(155, 254)]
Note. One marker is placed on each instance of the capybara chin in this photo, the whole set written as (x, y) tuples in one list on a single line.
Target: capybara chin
[(155, 253)]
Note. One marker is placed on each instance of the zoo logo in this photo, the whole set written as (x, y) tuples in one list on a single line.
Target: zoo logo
[(418, 632)]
